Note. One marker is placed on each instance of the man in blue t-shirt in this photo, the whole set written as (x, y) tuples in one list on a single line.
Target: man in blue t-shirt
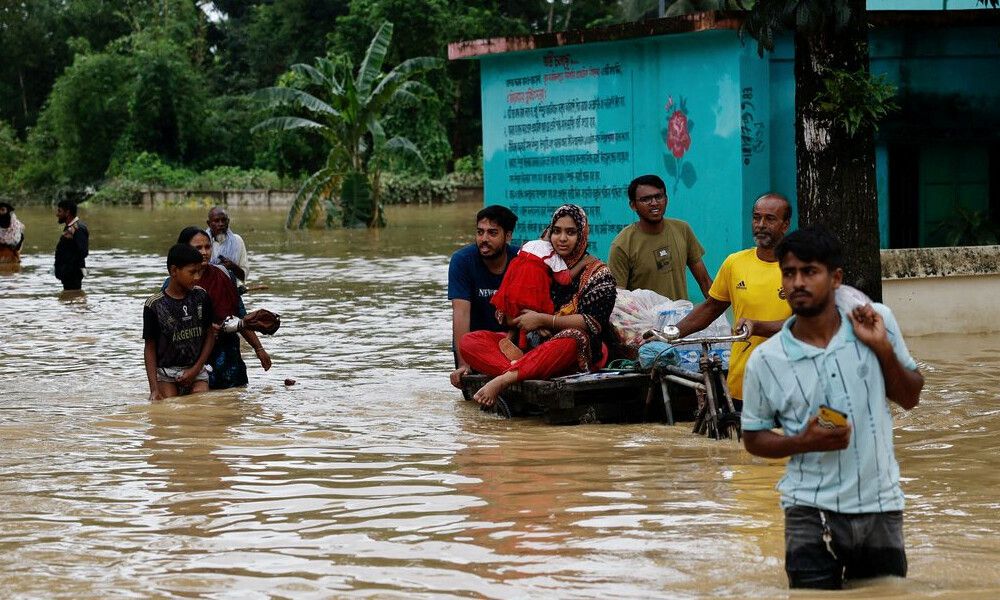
[(474, 275)]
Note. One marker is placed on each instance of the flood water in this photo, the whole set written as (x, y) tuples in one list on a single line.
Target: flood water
[(370, 477)]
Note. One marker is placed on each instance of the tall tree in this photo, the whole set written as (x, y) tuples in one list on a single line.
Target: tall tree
[(837, 106), (835, 152)]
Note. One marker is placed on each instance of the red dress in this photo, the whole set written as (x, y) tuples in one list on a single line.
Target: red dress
[(525, 286)]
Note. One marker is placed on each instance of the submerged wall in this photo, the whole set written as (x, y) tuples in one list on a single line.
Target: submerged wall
[(254, 198), (943, 290)]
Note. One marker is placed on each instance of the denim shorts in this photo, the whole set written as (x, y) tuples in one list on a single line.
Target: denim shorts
[(862, 546)]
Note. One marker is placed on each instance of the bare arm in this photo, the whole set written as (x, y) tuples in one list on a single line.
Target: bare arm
[(618, 263), (701, 276), (702, 316), (761, 328), (251, 337), (149, 358), (461, 316), (531, 320), (235, 268), (814, 438), (902, 385)]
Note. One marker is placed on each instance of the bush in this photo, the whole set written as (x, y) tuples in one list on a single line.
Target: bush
[(127, 180), (119, 191), (11, 156), (408, 189), (151, 171), (221, 178), (468, 169)]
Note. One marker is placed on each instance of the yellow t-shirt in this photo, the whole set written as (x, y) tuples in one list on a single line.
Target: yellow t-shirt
[(753, 287), (657, 261)]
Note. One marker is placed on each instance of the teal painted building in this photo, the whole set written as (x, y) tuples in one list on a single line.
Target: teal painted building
[(573, 117)]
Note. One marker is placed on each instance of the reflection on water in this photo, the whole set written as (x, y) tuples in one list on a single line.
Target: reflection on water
[(370, 477)]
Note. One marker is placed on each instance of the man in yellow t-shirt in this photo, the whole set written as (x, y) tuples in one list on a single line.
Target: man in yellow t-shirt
[(750, 281)]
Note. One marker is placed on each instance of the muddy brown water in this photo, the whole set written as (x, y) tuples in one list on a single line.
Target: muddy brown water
[(371, 477)]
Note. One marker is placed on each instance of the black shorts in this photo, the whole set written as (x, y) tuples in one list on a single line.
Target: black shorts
[(862, 546)]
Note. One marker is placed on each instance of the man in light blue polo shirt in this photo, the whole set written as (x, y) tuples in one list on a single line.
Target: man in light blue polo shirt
[(840, 492)]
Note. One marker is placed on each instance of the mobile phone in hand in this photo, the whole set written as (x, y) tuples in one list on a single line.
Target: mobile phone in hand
[(831, 418)]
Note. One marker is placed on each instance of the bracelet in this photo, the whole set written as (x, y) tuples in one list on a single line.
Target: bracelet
[(553, 322), (257, 348)]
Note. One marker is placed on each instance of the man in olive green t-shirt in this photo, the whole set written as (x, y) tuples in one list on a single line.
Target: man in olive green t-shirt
[(651, 253)]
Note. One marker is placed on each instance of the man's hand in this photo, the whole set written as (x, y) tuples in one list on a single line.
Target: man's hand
[(155, 396), (456, 375), (817, 438), (187, 376), (744, 322), (870, 328)]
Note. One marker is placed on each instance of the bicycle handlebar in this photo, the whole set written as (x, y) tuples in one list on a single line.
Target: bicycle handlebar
[(670, 335)]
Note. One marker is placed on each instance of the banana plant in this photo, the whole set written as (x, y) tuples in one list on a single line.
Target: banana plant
[(346, 108)]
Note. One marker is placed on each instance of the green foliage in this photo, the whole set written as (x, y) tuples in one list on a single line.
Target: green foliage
[(235, 178), (968, 228), (856, 101), (119, 191), (347, 111), (468, 169), (35, 37), (128, 178), (766, 20), (110, 105), (87, 115), (11, 156), (165, 113), (150, 170), (409, 189), (356, 200)]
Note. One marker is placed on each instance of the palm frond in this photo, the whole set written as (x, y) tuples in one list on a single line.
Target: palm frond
[(401, 145), (404, 71), (314, 75), (371, 66), (307, 188), (279, 96), (285, 124)]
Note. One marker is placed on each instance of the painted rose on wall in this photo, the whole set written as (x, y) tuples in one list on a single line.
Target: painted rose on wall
[(677, 136)]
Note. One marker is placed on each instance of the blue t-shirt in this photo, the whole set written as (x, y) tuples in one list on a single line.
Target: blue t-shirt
[(470, 279)]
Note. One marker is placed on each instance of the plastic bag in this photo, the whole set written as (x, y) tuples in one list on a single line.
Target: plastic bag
[(638, 311), (848, 298)]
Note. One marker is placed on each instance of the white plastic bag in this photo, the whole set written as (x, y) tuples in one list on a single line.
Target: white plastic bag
[(636, 312)]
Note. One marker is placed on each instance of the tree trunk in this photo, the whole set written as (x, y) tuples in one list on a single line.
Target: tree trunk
[(24, 99), (836, 172)]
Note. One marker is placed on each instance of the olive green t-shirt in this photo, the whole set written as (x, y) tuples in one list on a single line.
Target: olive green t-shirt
[(655, 261)]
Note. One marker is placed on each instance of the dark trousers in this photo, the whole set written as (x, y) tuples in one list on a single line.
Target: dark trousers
[(73, 280), (861, 546)]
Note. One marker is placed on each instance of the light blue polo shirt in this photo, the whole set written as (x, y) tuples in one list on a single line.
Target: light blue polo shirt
[(788, 380)]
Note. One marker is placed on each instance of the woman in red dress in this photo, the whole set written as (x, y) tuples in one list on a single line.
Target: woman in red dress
[(579, 320)]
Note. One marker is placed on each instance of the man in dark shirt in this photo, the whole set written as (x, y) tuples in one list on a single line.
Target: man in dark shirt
[(72, 249), (474, 275)]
